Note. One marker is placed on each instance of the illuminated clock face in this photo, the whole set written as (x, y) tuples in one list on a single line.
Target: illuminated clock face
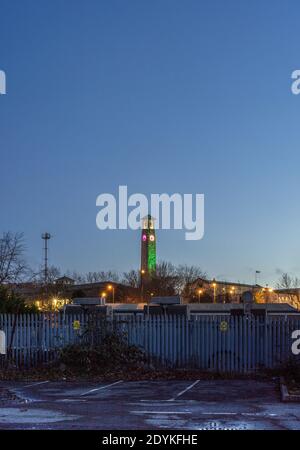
[(152, 238)]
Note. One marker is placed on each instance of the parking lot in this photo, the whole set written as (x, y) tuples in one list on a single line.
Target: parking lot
[(193, 405)]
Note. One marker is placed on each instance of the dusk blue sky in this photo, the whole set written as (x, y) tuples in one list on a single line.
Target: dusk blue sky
[(161, 96)]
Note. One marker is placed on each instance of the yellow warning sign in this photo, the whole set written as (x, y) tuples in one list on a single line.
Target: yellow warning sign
[(76, 325), (224, 326)]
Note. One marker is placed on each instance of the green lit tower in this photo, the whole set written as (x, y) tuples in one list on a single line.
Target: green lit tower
[(148, 248)]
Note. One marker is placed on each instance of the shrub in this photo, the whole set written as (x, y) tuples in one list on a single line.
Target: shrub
[(10, 302), (291, 370), (112, 353)]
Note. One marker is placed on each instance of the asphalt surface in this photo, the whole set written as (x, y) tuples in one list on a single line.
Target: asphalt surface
[(191, 405)]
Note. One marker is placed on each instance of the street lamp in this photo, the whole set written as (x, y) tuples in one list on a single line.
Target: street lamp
[(112, 288), (199, 295), (142, 284), (54, 303), (214, 285)]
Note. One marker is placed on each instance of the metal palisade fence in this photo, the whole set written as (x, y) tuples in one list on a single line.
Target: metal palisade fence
[(240, 344)]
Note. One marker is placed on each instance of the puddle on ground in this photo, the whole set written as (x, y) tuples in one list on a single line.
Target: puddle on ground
[(218, 425), (17, 415), (175, 422)]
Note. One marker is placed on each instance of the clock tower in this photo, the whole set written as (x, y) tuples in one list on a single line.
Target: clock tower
[(148, 248)]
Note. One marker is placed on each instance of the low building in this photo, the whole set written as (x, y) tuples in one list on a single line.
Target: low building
[(216, 291), (59, 293), (290, 296), (65, 281)]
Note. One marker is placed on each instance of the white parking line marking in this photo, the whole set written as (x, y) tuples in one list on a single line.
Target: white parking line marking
[(161, 412), (206, 413), (219, 413), (212, 413), (100, 388), (183, 392), (35, 384)]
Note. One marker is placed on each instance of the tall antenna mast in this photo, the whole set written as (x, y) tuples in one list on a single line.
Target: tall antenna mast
[(46, 237)]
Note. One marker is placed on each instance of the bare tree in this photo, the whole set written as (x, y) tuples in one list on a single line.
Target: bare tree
[(12, 263), (164, 281), (165, 270), (78, 277), (93, 277), (131, 278), (288, 282), (186, 275), (96, 277), (53, 273), (167, 280)]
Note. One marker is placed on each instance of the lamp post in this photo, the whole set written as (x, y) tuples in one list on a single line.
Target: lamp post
[(214, 285), (199, 295), (112, 288), (270, 290), (142, 284)]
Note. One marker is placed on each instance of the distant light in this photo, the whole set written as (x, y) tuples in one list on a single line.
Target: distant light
[(152, 238), (144, 237), (142, 271), (103, 294), (109, 287)]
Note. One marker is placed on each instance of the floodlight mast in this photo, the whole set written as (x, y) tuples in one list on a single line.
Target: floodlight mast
[(46, 237)]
